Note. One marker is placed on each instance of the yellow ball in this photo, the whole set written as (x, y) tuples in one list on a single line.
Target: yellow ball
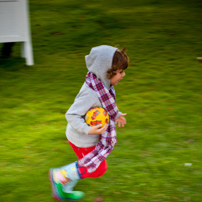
[(96, 116)]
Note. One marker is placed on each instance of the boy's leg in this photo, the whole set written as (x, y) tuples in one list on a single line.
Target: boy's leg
[(81, 152), (65, 177)]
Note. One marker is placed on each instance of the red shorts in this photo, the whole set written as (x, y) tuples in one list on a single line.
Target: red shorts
[(81, 152)]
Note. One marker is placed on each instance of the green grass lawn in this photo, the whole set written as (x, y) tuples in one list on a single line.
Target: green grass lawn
[(161, 94)]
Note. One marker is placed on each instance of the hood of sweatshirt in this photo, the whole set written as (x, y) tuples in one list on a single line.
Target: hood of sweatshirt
[(99, 61)]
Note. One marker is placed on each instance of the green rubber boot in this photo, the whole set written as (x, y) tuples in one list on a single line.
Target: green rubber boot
[(65, 177)]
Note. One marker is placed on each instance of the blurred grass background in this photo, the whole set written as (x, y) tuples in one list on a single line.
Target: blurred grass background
[(161, 94)]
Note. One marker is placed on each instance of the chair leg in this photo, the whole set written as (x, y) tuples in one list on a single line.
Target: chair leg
[(6, 50)]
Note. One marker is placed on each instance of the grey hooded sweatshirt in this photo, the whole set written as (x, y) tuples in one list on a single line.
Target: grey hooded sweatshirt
[(98, 62)]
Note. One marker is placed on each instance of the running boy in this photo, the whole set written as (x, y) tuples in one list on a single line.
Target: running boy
[(106, 65)]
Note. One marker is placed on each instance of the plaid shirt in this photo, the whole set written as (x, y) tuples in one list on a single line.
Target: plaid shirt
[(108, 139)]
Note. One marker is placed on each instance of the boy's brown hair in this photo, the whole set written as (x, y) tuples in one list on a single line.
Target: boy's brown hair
[(120, 61)]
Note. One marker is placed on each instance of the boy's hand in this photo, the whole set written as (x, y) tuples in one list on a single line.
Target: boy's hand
[(121, 121), (97, 130)]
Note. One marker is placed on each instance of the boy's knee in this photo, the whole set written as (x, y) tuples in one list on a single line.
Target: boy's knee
[(101, 170)]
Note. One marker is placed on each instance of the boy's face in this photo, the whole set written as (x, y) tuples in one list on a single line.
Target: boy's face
[(117, 78)]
